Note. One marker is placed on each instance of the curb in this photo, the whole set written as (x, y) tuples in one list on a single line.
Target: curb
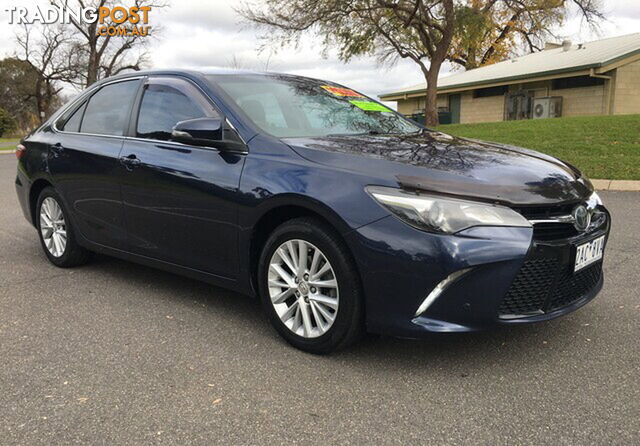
[(2, 152), (617, 185)]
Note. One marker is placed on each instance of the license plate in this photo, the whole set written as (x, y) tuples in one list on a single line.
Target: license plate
[(588, 253)]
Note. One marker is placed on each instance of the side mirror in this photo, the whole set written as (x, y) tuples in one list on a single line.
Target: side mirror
[(208, 132), (198, 132)]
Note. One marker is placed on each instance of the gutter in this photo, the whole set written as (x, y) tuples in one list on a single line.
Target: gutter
[(592, 73), (506, 80)]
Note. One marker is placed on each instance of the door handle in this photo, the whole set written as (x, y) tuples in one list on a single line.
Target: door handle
[(130, 161), (57, 149)]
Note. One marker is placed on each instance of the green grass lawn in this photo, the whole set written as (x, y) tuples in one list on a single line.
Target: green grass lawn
[(605, 147), (8, 143)]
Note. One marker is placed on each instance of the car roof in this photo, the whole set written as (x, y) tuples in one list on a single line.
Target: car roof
[(197, 71), (201, 71)]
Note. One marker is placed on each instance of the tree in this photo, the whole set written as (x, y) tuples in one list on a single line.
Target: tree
[(420, 30), (47, 51), (17, 91), (488, 31), (428, 32), (104, 56)]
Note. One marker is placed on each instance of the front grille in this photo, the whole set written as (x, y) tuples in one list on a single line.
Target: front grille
[(546, 281), (529, 290), (573, 286), (549, 231), (557, 231), (553, 231), (545, 212), (541, 286)]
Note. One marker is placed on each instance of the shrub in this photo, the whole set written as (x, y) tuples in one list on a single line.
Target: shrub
[(6, 122)]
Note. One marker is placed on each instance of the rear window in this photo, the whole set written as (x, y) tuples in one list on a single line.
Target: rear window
[(73, 123), (107, 112)]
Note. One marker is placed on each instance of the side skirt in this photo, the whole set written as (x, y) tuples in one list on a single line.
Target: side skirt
[(213, 279)]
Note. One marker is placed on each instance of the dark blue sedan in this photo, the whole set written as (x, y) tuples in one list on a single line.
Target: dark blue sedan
[(340, 214)]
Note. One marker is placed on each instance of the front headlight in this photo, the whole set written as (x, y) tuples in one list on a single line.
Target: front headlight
[(443, 215), (594, 201)]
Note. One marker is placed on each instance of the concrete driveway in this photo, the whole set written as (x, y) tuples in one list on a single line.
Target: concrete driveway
[(115, 353)]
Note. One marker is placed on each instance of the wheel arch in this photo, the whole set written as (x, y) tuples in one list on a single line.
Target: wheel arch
[(282, 210), (34, 192)]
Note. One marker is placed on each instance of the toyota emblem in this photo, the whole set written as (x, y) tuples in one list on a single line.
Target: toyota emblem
[(581, 218)]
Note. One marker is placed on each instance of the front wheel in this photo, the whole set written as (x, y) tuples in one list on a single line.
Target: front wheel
[(56, 233), (310, 288)]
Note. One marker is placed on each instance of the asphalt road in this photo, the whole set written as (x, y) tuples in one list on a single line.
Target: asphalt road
[(115, 353)]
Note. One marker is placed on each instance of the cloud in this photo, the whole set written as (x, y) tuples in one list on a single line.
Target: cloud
[(211, 15), (212, 34), (628, 9)]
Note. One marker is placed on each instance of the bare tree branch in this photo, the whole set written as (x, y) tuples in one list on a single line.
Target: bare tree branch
[(105, 55), (46, 51)]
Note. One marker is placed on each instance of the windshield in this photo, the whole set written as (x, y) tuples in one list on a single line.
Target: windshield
[(288, 106)]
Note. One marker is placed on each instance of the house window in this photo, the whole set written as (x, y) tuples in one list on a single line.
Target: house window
[(491, 91), (518, 105), (577, 82)]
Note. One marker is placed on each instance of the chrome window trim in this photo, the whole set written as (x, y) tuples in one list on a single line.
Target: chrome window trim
[(155, 141), (90, 134), (176, 143)]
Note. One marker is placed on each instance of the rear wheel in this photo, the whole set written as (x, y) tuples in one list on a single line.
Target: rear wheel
[(310, 288), (55, 231)]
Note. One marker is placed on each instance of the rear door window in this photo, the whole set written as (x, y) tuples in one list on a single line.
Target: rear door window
[(108, 110)]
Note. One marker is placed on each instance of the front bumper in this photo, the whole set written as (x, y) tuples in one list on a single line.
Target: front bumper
[(400, 266)]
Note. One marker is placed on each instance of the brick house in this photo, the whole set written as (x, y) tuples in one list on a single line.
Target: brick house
[(595, 78)]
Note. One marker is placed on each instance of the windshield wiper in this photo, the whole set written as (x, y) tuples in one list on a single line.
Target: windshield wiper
[(370, 132)]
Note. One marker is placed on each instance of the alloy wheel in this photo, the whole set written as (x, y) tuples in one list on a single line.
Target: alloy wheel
[(303, 288), (53, 227)]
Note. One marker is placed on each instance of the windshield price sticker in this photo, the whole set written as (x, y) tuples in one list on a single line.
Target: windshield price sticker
[(337, 91), (370, 106)]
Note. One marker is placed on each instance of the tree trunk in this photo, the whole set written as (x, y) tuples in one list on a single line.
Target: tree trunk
[(39, 101), (431, 101), (92, 69), (94, 60)]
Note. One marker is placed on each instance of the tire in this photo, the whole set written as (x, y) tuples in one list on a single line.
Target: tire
[(72, 254), (317, 333)]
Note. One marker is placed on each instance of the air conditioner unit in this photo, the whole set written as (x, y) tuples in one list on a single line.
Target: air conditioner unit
[(547, 107)]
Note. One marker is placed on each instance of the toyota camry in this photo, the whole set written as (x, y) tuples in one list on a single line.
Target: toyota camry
[(339, 214)]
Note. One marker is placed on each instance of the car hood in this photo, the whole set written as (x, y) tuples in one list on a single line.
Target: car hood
[(436, 162)]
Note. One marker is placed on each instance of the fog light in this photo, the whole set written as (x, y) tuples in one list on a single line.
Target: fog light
[(437, 291)]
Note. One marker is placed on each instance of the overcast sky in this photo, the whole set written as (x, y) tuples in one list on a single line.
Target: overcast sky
[(200, 33)]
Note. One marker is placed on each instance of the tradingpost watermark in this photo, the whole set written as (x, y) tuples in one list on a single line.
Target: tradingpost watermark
[(110, 21)]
